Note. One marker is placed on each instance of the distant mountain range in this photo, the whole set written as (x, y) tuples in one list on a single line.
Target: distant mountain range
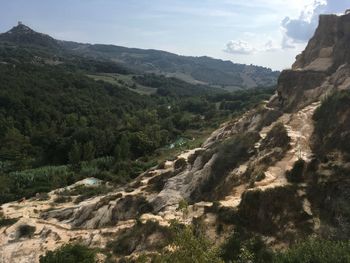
[(195, 70)]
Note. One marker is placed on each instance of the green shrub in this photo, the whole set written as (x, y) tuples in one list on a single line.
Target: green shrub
[(71, 253), (103, 163), (180, 163), (25, 231), (27, 183), (189, 248), (297, 173), (316, 251), (276, 137), (260, 176), (332, 124), (89, 170), (242, 247), (275, 209), (230, 153)]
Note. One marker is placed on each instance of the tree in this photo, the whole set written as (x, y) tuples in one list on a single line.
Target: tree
[(75, 154), (117, 152), (124, 147), (141, 144), (88, 151), (15, 147)]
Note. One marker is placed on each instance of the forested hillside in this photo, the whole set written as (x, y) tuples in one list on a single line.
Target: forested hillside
[(194, 70), (205, 70), (59, 110)]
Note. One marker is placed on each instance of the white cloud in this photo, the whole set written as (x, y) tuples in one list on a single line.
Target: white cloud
[(239, 47), (243, 47)]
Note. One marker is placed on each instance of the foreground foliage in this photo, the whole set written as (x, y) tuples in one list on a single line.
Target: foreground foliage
[(316, 251), (332, 125), (71, 253), (244, 247), (186, 247)]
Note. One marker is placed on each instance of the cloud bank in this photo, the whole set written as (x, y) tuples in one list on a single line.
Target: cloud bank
[(242, 47), (239, 47), (295, 30), (301, 29)]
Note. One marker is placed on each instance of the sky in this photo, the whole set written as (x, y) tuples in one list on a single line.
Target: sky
[(268, 33)]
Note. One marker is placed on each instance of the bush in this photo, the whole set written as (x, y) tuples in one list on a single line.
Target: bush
[(332, 124), (25, 231), (316, 251), (296, 174), (27, 183), (180, 164), (189, 248), (230, 154), (245, 247), (232, 151), (276, 209), (277, 137), (71, 253)]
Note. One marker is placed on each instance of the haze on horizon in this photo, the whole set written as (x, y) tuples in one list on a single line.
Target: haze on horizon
[(268, 33)]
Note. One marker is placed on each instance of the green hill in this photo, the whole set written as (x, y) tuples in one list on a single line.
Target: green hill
[(195, 70)]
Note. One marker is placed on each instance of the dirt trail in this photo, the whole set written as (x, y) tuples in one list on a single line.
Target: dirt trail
[(235, 198), (300, 128)]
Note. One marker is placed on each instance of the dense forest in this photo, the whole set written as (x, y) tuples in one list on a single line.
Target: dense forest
[(58, 125)]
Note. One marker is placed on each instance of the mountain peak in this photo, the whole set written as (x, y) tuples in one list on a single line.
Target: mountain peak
[(21, 28), (24, 35)]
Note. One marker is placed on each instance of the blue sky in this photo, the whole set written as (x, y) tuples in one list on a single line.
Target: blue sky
[(262, 32)]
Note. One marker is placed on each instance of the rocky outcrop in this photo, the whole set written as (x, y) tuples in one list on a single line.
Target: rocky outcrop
[(318, 54), (320, 68)]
